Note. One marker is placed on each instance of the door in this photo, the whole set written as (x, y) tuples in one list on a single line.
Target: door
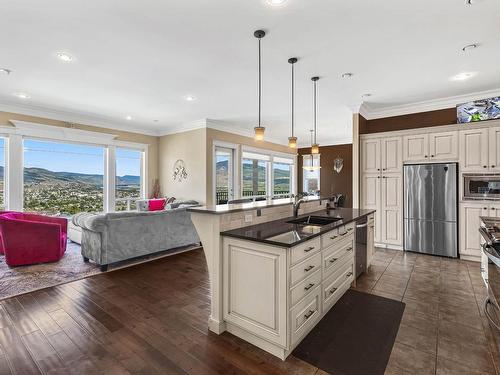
[(443, 146), (470, 239), (392, 158), (494, 149), (494, 210), (416, 147), (474, 150), (224, 175), (370, 155), (370, 199), (392, 220)]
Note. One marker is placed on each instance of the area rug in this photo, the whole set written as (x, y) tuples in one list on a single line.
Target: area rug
[(24, 279), (355, 337)]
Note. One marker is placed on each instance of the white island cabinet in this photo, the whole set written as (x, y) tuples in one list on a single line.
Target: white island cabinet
[(274, 295)]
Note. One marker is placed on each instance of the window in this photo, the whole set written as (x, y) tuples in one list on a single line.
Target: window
[(128, 178), (62, 178), (282, 176), (2, 173), (223, 175), (254, 174), (311, 174)]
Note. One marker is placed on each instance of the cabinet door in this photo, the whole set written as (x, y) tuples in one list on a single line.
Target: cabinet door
[(370, 155), (494, 210), (474, 150), (370, 240), (392, 158), (494, 149), (370, 199), (416, 147), (443, 146), (470, 239), (392, 232)]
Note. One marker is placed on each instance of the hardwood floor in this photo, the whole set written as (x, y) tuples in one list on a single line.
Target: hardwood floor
[(152, 319)]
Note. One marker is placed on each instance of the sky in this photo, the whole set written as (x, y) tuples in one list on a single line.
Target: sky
[(65, 157)]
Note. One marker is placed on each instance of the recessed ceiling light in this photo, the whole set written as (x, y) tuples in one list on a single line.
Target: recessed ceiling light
[(155, 120), (22, 95), (276, 3), (463, 76), (470, 47), (347, 75), (128, 118), (64, 56), (190, 98), (366, 95), (5, 71)]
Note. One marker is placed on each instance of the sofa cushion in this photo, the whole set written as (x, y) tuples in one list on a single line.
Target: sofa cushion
[(156, 204)]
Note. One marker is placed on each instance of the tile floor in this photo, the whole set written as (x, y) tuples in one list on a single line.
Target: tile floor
[(443, 330)]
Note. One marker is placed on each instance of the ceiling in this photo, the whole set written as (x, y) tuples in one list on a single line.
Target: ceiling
[(140, 58)]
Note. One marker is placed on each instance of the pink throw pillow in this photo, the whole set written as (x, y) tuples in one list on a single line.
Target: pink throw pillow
[(156, 204)]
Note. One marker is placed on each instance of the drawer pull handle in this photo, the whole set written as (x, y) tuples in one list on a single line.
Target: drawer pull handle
[(309, 286), (333, 237), (333, 260), (309, 314), (331, 291), (309, 249), (343, 234), (349, 249), (349, 274), (308, 268), (349, 229)]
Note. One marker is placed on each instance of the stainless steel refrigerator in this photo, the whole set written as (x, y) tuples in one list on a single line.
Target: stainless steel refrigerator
[(431, 209)]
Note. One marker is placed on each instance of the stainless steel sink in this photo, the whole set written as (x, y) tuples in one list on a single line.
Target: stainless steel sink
[(314, 220)]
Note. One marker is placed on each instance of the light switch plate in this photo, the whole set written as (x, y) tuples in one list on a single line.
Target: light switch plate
[(248, 218)]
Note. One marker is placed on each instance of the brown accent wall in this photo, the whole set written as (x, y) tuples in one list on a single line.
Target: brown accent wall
[(412, 121), (331, 181)]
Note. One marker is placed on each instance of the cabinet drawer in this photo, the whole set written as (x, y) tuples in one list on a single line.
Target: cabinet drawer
[(330, 238), (337, 280), (304, 250), (346, 230), (337, 258), (305, 287), (304, 269), (305, 315)]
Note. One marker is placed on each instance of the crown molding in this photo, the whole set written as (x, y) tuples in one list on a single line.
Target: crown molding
[(371, 113), (73, 117), (185, 127)]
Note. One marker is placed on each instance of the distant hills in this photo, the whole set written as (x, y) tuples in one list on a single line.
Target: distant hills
[(281, 177), (41, 175)]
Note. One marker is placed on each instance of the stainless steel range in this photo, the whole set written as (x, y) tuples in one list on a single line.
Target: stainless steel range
[(490, 270)]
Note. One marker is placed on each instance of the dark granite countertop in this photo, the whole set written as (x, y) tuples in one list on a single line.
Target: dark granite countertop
[(237, 207), (284, 234)]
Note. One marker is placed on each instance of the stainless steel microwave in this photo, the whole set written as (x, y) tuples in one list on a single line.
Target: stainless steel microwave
[(481, 185)]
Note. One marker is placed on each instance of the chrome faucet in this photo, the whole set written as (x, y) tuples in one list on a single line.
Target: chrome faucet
[(296, 206)]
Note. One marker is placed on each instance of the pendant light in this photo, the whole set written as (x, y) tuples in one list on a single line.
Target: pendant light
[(311, 161), (315, 145), (292, 141), (259, 130)]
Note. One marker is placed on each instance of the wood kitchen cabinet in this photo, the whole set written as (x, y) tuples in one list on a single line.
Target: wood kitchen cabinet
[(370, 240), (470, 238), (370, 157), (474, 150), (416, 147), (428, 147)]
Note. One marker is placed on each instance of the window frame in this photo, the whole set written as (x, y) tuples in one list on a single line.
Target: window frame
[(318, 170)]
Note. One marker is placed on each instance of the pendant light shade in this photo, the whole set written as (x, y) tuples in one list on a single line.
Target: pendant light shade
[(259, 129), (315, 145), (292, 140)]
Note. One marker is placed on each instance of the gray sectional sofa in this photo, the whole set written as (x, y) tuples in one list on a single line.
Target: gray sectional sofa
[(113, 237)]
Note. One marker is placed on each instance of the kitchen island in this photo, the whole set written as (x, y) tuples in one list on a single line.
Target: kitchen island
[(274, 281)]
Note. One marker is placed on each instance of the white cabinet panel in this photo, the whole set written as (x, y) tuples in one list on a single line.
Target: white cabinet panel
[(443, 146), (474, 150), (494, 149), (370, 199), (416, 147), (392, 210), (470, 239), (370, 155), (392, 158)]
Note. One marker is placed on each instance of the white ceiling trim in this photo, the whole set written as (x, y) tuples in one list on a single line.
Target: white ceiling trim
[(74, 117), (371, 113), (186, 127)]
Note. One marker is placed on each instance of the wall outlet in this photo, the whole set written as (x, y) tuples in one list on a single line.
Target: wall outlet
[(248, 218)]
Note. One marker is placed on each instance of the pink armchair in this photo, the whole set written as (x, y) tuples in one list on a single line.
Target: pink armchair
[(31, 238)]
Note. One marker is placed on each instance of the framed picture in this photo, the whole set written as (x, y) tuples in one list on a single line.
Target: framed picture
[(479, 110)]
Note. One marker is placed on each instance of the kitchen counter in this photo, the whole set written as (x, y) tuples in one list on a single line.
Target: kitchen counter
[(284, 234), (238, 207)]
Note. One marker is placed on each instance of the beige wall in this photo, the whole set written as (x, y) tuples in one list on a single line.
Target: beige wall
[(122, 136), (217, 135), (189, 146)]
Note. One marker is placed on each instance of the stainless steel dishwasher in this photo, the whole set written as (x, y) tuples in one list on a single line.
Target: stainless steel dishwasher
[(361, 238)]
